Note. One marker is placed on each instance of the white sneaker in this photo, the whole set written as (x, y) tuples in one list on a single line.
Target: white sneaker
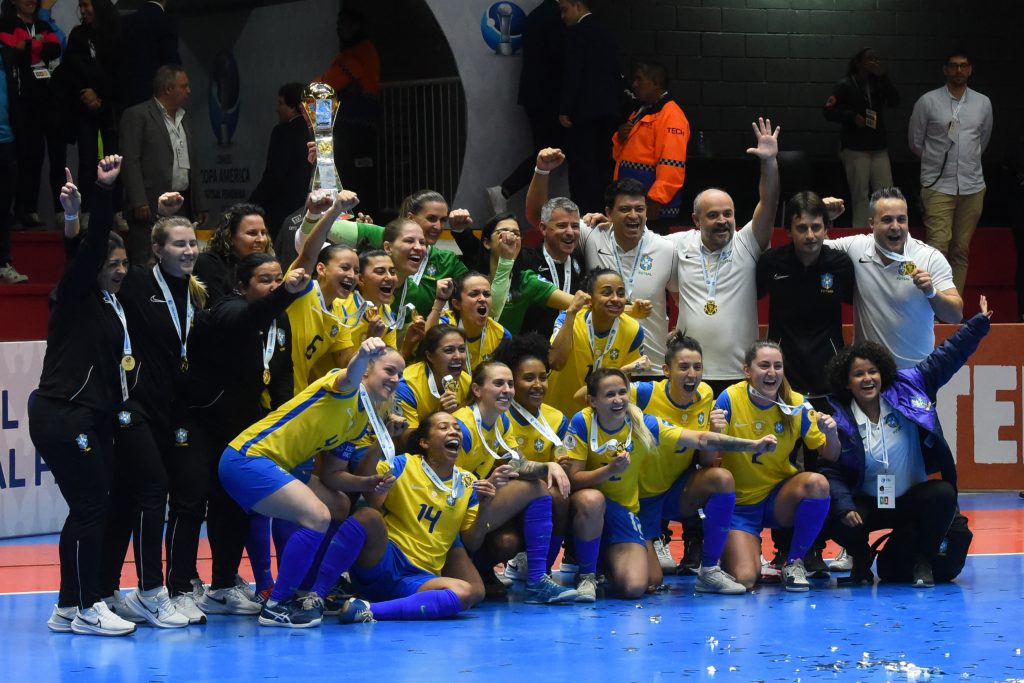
[(198, 588), (497, 199), (842, 562), (664, 556), (586, 588), (117, 605), (794, 577), (568, 567), (12, 277), (61, 618), (769, 572), (228, 601), (717, 580), (515, 569), (187, 604), (247, 590), (98, 620), (157, 609)]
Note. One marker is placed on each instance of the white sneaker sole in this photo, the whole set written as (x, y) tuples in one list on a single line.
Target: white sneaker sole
[(210, 606), (85, 629), (270, 622), (720, 591), (140, 610), (797, 588), (62, 626)]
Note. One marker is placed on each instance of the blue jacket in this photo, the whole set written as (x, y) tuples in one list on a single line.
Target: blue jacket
[(912, 394)]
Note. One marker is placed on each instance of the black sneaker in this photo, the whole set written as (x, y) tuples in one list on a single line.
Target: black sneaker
[(291, 614), (922, 574), (815, 565), (690, 563)]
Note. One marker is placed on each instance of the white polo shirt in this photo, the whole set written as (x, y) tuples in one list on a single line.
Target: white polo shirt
[(725, 335), (653, 275), (892, 446), (888, 308)]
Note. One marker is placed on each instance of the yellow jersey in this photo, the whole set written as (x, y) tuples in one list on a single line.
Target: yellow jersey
[(317, 419), (422, 519), (417, 400), (473, 454), (482, 348), (532, 444), (317, 335), (626, 347), (623, 488), (757, 474), (350, 307), (659, 474)]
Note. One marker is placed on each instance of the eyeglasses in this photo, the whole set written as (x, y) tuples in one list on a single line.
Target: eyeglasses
[(958, 66)]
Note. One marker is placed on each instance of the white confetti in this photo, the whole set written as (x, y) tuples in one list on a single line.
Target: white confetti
[(711, 670), (813, 606), (656, 619), (834, 648)]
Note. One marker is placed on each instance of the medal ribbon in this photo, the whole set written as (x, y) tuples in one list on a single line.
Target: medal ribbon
[(784, 408), (380, 430), (628, 281), (612, 333), (418, 275), (540, 425), (454, 491), (111, 299), (610, 443), (510, 453), (173, 309), (711, 281), (566, 285), (268, 348)]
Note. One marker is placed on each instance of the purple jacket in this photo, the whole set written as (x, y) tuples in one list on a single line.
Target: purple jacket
[(912, 394)]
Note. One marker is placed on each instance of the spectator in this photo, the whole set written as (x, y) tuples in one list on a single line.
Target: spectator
[(150, 40), (858, 102), (240, 233), (158, 145), (285, 182), (8, 174), (949, 130)]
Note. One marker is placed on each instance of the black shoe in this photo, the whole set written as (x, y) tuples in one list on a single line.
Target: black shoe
[(690, 562), (815, 565), (922, 574), (29, 221)]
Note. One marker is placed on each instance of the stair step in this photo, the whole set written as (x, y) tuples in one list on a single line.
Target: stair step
[(24, 310), (39, 255)]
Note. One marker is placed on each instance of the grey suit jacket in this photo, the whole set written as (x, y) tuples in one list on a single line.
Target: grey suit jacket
[(149, 159)]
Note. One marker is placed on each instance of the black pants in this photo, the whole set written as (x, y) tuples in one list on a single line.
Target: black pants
[(76, 444), (155, 463), (88, 127), (37, 133), (928, 507), (590, 162), (8, 180), (546, 132)]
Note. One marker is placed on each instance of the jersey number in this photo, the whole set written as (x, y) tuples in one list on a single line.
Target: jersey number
[(311, 349), (428, 513)]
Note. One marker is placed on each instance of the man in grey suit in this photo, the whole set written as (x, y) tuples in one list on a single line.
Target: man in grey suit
[(159, 156)]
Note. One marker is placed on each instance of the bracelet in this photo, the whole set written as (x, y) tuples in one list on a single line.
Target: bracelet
[(312, 217), (933, 294), (540, 171), (70, 217)]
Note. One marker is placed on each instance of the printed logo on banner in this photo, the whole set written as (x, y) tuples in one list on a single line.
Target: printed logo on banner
[(502, 27)]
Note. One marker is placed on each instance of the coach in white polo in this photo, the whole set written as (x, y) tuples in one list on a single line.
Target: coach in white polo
[(902, 283), (716, 267)]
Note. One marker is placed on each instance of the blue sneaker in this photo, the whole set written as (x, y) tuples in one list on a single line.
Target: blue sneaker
[(291, 613), (355, 610), (547, 592)]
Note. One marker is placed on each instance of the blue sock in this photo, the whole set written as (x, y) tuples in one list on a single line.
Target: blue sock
[(810, 516), (586, 554), (295, 562), (553, 549), (281, 530), (314, 569), (717, 520), (257, 547), (342, 551), (537, 533), (436, 604)]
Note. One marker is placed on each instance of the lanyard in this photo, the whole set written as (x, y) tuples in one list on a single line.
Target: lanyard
[(127, 360), (959, 103), (173, 309), (509, 452), (454, 491), (323, 302), (445, 381), (403, 309), (866, 89), (892, 255), (387, 446), (784, 408), (711, 281), (628, 281), (566, 270), (609, 343), (610, 443), (540, 425), (357, 316), (268, 351), (418, 275), (480, 346)]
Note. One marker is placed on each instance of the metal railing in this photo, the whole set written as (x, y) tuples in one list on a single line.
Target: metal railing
[(422, 140)]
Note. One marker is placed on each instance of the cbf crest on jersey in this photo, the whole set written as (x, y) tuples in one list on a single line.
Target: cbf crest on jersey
[(82, 441), (700, 419), (646, 263), (779, 428), (334, 330), (538, 445), (281, 338), (180, 436), (827, 280), (614, 354)]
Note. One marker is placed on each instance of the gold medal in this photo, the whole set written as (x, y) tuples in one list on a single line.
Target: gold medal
[(812, 415), (266, 376), (909, 267), (128, 362), (560, 452), (710, 307), (450, 384), (184, 364)]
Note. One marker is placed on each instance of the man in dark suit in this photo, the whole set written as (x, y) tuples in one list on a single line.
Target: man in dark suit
[(589, 103), (159, 156), (285, 182), (150, 40)]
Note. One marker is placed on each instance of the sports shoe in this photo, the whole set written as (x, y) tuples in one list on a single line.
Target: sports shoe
[(12, 277), (714, 579), (842, 562), (228, 601), (515, 569), (157, 609), (61, 618), (815, 566), (692, 549), (187, 604), (198, 588), (117, 605), (290, 614), (356, 611), (664, 555), (569, 566), (243, 585), (547, 592), (497, 199), (769, 572), (313, 603), (98, 620), (794, 576), (586, 588), (922, 574)]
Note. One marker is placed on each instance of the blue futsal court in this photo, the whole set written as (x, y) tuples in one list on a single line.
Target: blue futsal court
[(969, 630)]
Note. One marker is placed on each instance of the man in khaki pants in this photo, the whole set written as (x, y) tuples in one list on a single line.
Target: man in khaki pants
[(949, 130)]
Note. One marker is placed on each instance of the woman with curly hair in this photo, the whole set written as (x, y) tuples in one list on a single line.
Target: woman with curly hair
[(241, 231)]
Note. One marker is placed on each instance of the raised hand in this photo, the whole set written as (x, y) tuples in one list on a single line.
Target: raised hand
[(983, 306), (318, 201), (459, 220), (767, 140), (508, 245), (169, 203), (550, 158), (718, 421), (70, 197), (579, 300), (296, 280), (108, 169)]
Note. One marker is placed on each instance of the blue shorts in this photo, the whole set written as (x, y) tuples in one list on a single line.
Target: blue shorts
[(250, 479), (620, 526), (754, 518), (391, 578), (665, 505)]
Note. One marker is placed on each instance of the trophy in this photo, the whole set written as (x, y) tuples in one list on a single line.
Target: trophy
[(319, 107)]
